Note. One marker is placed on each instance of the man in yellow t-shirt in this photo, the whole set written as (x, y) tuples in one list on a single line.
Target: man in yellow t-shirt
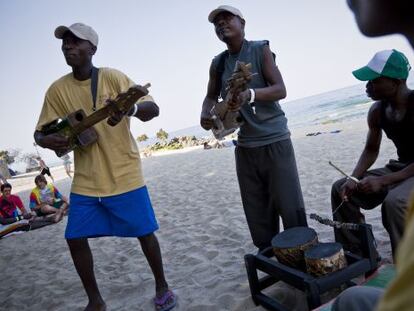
[(108, 195)]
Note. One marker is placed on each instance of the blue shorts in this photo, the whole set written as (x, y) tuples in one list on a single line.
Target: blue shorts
[(129, 214)]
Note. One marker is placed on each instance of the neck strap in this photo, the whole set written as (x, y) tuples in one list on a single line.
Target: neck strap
[(94, 85)]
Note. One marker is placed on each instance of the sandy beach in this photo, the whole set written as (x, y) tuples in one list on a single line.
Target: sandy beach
[(203, 232)]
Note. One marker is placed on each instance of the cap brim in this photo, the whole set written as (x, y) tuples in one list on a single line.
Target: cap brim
[(365, 74), (60, 31), (214, 13)]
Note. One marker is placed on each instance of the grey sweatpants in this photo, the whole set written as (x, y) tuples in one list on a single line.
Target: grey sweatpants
[(394, 202), (269, 187)]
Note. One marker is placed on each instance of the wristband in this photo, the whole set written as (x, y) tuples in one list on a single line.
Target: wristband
[(252, 96), (354, 179), (134, 111)]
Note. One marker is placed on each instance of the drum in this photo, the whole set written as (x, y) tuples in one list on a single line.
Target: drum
[(325, 258), (289, 246)]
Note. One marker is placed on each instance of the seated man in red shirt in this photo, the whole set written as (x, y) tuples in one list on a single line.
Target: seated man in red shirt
[(8, 211)]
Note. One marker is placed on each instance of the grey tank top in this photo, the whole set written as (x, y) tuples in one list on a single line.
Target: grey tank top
[(268, 124)]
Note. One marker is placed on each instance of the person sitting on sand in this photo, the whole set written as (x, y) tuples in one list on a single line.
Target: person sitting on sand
[(9, 203), (393, 113), (44, 169), (46, 200), (206, 146), (216, 144)]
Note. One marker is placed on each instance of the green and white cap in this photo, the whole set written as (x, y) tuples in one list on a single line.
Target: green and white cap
[(388, 63)]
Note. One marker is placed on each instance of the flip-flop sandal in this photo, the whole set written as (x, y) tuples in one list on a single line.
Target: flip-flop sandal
[(166, 302)]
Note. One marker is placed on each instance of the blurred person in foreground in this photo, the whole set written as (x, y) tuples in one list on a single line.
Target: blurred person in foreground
[(378, 18)]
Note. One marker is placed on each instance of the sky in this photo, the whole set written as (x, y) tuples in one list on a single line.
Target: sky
[(171, 44)]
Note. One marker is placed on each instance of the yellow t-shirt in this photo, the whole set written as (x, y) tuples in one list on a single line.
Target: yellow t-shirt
[(400, 294), (111, 165)]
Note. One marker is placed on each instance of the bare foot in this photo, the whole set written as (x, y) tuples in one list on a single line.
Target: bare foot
[(96, 307), (58, 216)]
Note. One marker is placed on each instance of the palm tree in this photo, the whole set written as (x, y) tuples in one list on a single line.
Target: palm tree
[(142, 137), (162, 135)]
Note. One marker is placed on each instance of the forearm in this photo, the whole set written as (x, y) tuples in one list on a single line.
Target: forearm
[(4, 221), (270, 93), (63, 199), (365, 161), (38, 207), (208, 104), (55, 141), (396, 177), (23, 210), (39, 138), (8, 221)]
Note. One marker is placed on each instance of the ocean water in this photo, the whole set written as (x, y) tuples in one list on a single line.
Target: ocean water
[(335, 106), (348, 103), (331, 107)]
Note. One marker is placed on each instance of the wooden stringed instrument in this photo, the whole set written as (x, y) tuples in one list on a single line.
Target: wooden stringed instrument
[(78, 127), (225, 121)]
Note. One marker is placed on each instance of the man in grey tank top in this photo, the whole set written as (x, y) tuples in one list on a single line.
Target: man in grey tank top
[(265, 160)]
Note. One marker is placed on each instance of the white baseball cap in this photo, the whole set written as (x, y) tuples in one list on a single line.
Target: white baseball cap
[(224, 8), (80, 30)]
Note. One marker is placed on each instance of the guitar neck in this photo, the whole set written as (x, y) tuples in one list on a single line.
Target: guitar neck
[(123, 102), (91, 120)]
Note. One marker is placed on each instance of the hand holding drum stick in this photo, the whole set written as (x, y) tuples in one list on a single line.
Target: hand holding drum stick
[(343, 173), (348, 177)]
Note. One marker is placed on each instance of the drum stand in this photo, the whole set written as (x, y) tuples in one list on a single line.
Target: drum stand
[(312, 286)]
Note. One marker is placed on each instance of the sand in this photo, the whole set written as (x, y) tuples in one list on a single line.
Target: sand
[(203, 232)]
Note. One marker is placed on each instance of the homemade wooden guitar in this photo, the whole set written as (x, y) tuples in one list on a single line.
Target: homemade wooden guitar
[(78, 127), (225, 121)]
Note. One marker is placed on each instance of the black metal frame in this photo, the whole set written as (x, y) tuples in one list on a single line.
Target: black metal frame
[(312, 286)]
